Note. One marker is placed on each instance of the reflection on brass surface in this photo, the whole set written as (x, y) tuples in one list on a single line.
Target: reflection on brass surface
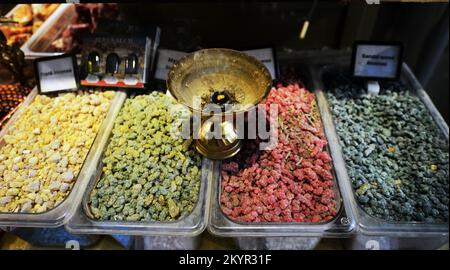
[(225, 147), (216, 75), (216, 70)]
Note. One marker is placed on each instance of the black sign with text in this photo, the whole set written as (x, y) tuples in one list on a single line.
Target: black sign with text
[(56, 73), (376, 60)]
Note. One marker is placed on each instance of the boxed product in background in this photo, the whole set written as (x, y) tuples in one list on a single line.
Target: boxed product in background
[(118, 61)]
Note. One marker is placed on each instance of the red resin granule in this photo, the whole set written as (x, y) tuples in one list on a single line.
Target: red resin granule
[(292, 182)]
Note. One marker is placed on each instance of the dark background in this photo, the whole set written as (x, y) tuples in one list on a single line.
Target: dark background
[(422, 27)]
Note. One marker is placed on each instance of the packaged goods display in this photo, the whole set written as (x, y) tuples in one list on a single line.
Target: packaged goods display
[(11, 95), (167, 243), (291, 183), (149, 173), (84, 22), (396, 156), (44, 149), (117, 61), (28, 18)]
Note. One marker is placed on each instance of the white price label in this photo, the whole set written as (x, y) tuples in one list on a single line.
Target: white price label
[(376, 61), (56, 74), (166, 59), (266, 57)]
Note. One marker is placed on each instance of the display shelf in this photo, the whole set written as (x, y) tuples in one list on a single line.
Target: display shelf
[(342, 225)]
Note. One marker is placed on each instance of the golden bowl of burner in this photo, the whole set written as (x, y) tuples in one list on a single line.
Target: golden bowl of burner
[(231, 81)]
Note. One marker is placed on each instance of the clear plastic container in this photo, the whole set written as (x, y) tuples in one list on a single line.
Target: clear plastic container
[(363, 242), (368, 225), (60, 214), (342, 225), (277, 243), (37, 45), (194, 224), (166, 243)]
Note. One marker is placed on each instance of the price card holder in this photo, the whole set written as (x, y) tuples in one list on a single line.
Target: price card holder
[(375, 61), (166, 58), (56, 74), (268, 58)]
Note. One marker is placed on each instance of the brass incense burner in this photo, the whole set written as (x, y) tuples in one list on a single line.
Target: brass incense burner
[(230, 80)]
